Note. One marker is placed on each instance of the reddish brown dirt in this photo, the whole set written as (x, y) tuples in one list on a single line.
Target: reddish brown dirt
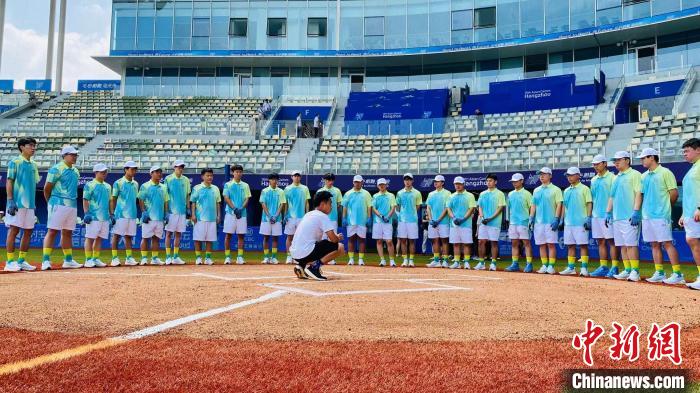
[(19, 344)]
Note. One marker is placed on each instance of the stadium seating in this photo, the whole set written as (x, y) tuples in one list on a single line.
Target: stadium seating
[(49, 149), (666, 134)]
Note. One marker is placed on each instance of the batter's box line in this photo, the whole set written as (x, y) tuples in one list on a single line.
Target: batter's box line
[(309, 292)]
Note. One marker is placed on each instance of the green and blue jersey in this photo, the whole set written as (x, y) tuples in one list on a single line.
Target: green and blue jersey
[(383, 202), (206, 200), (98, 193), (691, 191), (519, 202), (25, 176), (576, 200), (237, 192), (65, 180), (154, 196), (437, 202), (126, 192), (357, 204), (460, 203), (273, 198), (601, 186), (296, 197), (546, 198), (179, 188), (408, 202), (489, 202), (656, 186), (336, 197), (623, 193)]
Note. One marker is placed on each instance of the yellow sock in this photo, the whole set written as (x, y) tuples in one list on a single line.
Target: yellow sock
[(436, 255), (47, 253), (68, 254), (467, 257), (10, 256), (545, 261), (604, 262), (410, 256), (95, 254), (528, 259), (197, 253), (176, 252), (698, 269), (361, 255), (405, 256), (154, 254), (351, 255), (227, 253), (274, 252), (22, 256), (144, 254), (570, 260), (584, 261), (615, 263), (88, 255), (676, 268), (626, 263), (240, 252), (115, 253), (129, 253), (167, 251), (659, 267), (635, 264)]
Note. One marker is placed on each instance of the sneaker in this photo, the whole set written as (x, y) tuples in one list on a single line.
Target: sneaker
[(445, 264), (514, 267), (115, 262), (331, 262), (601, 271), (168, 260), (144, 261), (624, 275), (299, 271), (584, 272), (568, 272), (156, 261), (99, 263), (313, 271), (404, 263), (613, 272), (480, 266), (455, 265), (227, 261), (26, 267), (360, 262), (466, 265), (208, 261), (12, 266), (657, 277), (89, 263), (550, 269), (434, 263), (675, 278), (289, 260), (274, 261), (694, 285), (543, 269), (634, 276), (410, 263), (198, 261), (71, 265), (266, 261), (177, 261), (46, 265), (492, 267), (351, 262), (392, 263), (130, 262), (382, 263), (528, 268), (240, 261)]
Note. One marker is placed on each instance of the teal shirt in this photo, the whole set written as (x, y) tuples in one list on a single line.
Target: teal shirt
[(336, 197), (656, 185), (437, 202), (237, 192), (691, 191), (97, 194), (154, 197), (296, 197), (408, 202), (179, 188), (273, 198), (357, 203), (125, 191), (519, 202), (576, 200), (25, 175), (383, 202), (206, 200), (460, 203), (489, 202), (601, 186), (624, 188), (545, 199), (65, 189)]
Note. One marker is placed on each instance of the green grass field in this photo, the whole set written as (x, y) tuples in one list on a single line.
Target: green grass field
[(646, 269)]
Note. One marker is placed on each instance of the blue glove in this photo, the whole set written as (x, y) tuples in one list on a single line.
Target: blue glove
[(112, 220), (87, 218), (636, 218), (273, 220), (555, 224), (434, 223), (608, 219), (11, 207), (166, 219), (385, 219), (369, 221), (587, 224), (345, 221), (485, 221), (284, 221), (237, 212), (188, 214), (458, 221), (145, 219), (531, 223)]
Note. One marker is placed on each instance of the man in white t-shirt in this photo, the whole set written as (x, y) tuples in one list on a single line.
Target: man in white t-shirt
[(309, 248), (317, 126)]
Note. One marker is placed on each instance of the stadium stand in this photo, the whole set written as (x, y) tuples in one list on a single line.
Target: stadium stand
[(48, 153), (666, 134)]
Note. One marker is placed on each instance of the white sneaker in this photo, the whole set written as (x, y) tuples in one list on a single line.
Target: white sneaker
[(492, 267), (130, 262), (331, 262), (657, 277), (466, 265), (624, 275), (455, 265), (445, 264), (240, 261), (568, 272), (543, 269), (115, 262), (392, 263), (156, 261), (382, 263), (27, 267), (198, 261), (227, 261), (71, 265), (584, 272), (46, 265), (550, 270), (694, 285), (404, 263), (480, 266), (177, 261), (634, 276), (351, 262), (360, 262), (410, 263), (168, 260), (89, 263), (208, 261), (265, 261), (675, 278), (274, 261), (144, 261), (289, 260), (434, 263), (12, 266), (99, 263)]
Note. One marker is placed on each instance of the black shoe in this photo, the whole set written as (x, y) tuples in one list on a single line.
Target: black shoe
[(314, 271), (299, 271)]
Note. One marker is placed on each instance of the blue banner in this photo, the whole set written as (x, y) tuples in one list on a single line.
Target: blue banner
[(397, 105), (633, 94), (38, 84), (99, 85), (7, 85), (307, 112)]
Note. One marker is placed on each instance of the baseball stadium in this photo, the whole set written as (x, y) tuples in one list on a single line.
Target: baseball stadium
[(353, 196)]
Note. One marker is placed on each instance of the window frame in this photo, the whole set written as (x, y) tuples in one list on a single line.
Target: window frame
[(284, 34), (322, 32), (485, 26), (231, 27)]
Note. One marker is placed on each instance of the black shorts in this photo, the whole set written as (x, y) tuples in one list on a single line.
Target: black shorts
[(321, 249)]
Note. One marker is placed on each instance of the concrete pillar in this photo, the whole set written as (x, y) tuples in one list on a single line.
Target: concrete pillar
[(61, 39), (49, 45), (2, 27)]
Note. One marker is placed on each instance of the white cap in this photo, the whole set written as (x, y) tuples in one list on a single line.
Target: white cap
[(295, 172), (154, 168), (545, 170), (357, 178), (178, 163), (621, 154), (439, 178), (648, 151), (68, 150), (99, 168), (458, 179), (381, 180), (408, 174), (130, 164), (573, 171), (517, 177), (598, 159)]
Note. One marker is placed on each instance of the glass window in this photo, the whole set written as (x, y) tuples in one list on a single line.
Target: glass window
[(205, 82), (663, 6), (511, 69), (277, 27), (535, 65), (556, 16), (439, 22), (124, 24), (603, 4), (486, 72), (690, 3), (485, 17), (238, 27), (582, 14), (188, 82), (612, 60), (608, 16), (134, 82), (182, 31), (395, 27), (532, 17), (462, 19), (219, 25), (145, 24), (151, 82), (671, 51), (317, 27), (224, 82), (417, 21), (637, 9), (561, 63), (351, 24), (508, 19), (585, 64), (200, 27), (374, 25), (164, 25), (168, 82)]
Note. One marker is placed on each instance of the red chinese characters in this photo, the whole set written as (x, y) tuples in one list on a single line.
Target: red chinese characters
[(587, 339), (665, 342)]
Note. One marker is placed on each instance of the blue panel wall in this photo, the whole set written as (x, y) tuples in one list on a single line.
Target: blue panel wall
[(7, 85), (397, 105), (307, 112), (38, 84), (99, 85), (633, 94)]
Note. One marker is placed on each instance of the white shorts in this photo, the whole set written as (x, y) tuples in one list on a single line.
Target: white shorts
[(486, 232), (545, 235), (625, 234), (359, 230), (382, 230), (600, 230), (125, 227), (407, 230), (442, 231), (575, 235), (268, 229), (291, 226), (461, 235), (204, 231), (518, 232), (153, 228), (692, 228), (176, 223), (96, 229), (24, 219), (656, 230), (233, 225), (62, 217)]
